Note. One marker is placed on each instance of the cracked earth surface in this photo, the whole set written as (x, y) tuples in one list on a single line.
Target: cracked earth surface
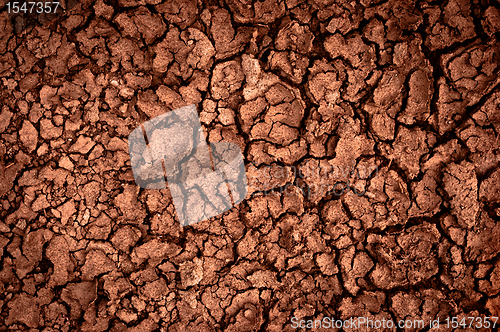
[(407, 90)]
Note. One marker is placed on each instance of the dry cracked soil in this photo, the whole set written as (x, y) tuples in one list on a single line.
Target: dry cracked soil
[(370, 132)]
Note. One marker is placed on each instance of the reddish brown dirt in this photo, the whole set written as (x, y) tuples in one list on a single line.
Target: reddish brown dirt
[(407, 90)]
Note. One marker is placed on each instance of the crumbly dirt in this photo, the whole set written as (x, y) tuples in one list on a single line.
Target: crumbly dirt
[(408, 90)]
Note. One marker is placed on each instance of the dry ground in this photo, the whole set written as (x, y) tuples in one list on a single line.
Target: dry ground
[(407, 89)]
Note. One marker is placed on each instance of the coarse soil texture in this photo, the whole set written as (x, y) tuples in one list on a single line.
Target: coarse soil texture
[(371, 137)]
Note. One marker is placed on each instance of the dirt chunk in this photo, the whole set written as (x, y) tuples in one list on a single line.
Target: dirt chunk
[(457, 25), (82, 145), (354, 266), (473, 73), (406, 265), (67, 210), (191, 272), (154, 290), (227, 79), (461, 184), (5, 117), (409, 147), (29, 136), (260, 12), (125, 238), (58, 253), (154, 251), (23, 308), (179, 12), (128, 204), (96, 263), (228, 41)]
